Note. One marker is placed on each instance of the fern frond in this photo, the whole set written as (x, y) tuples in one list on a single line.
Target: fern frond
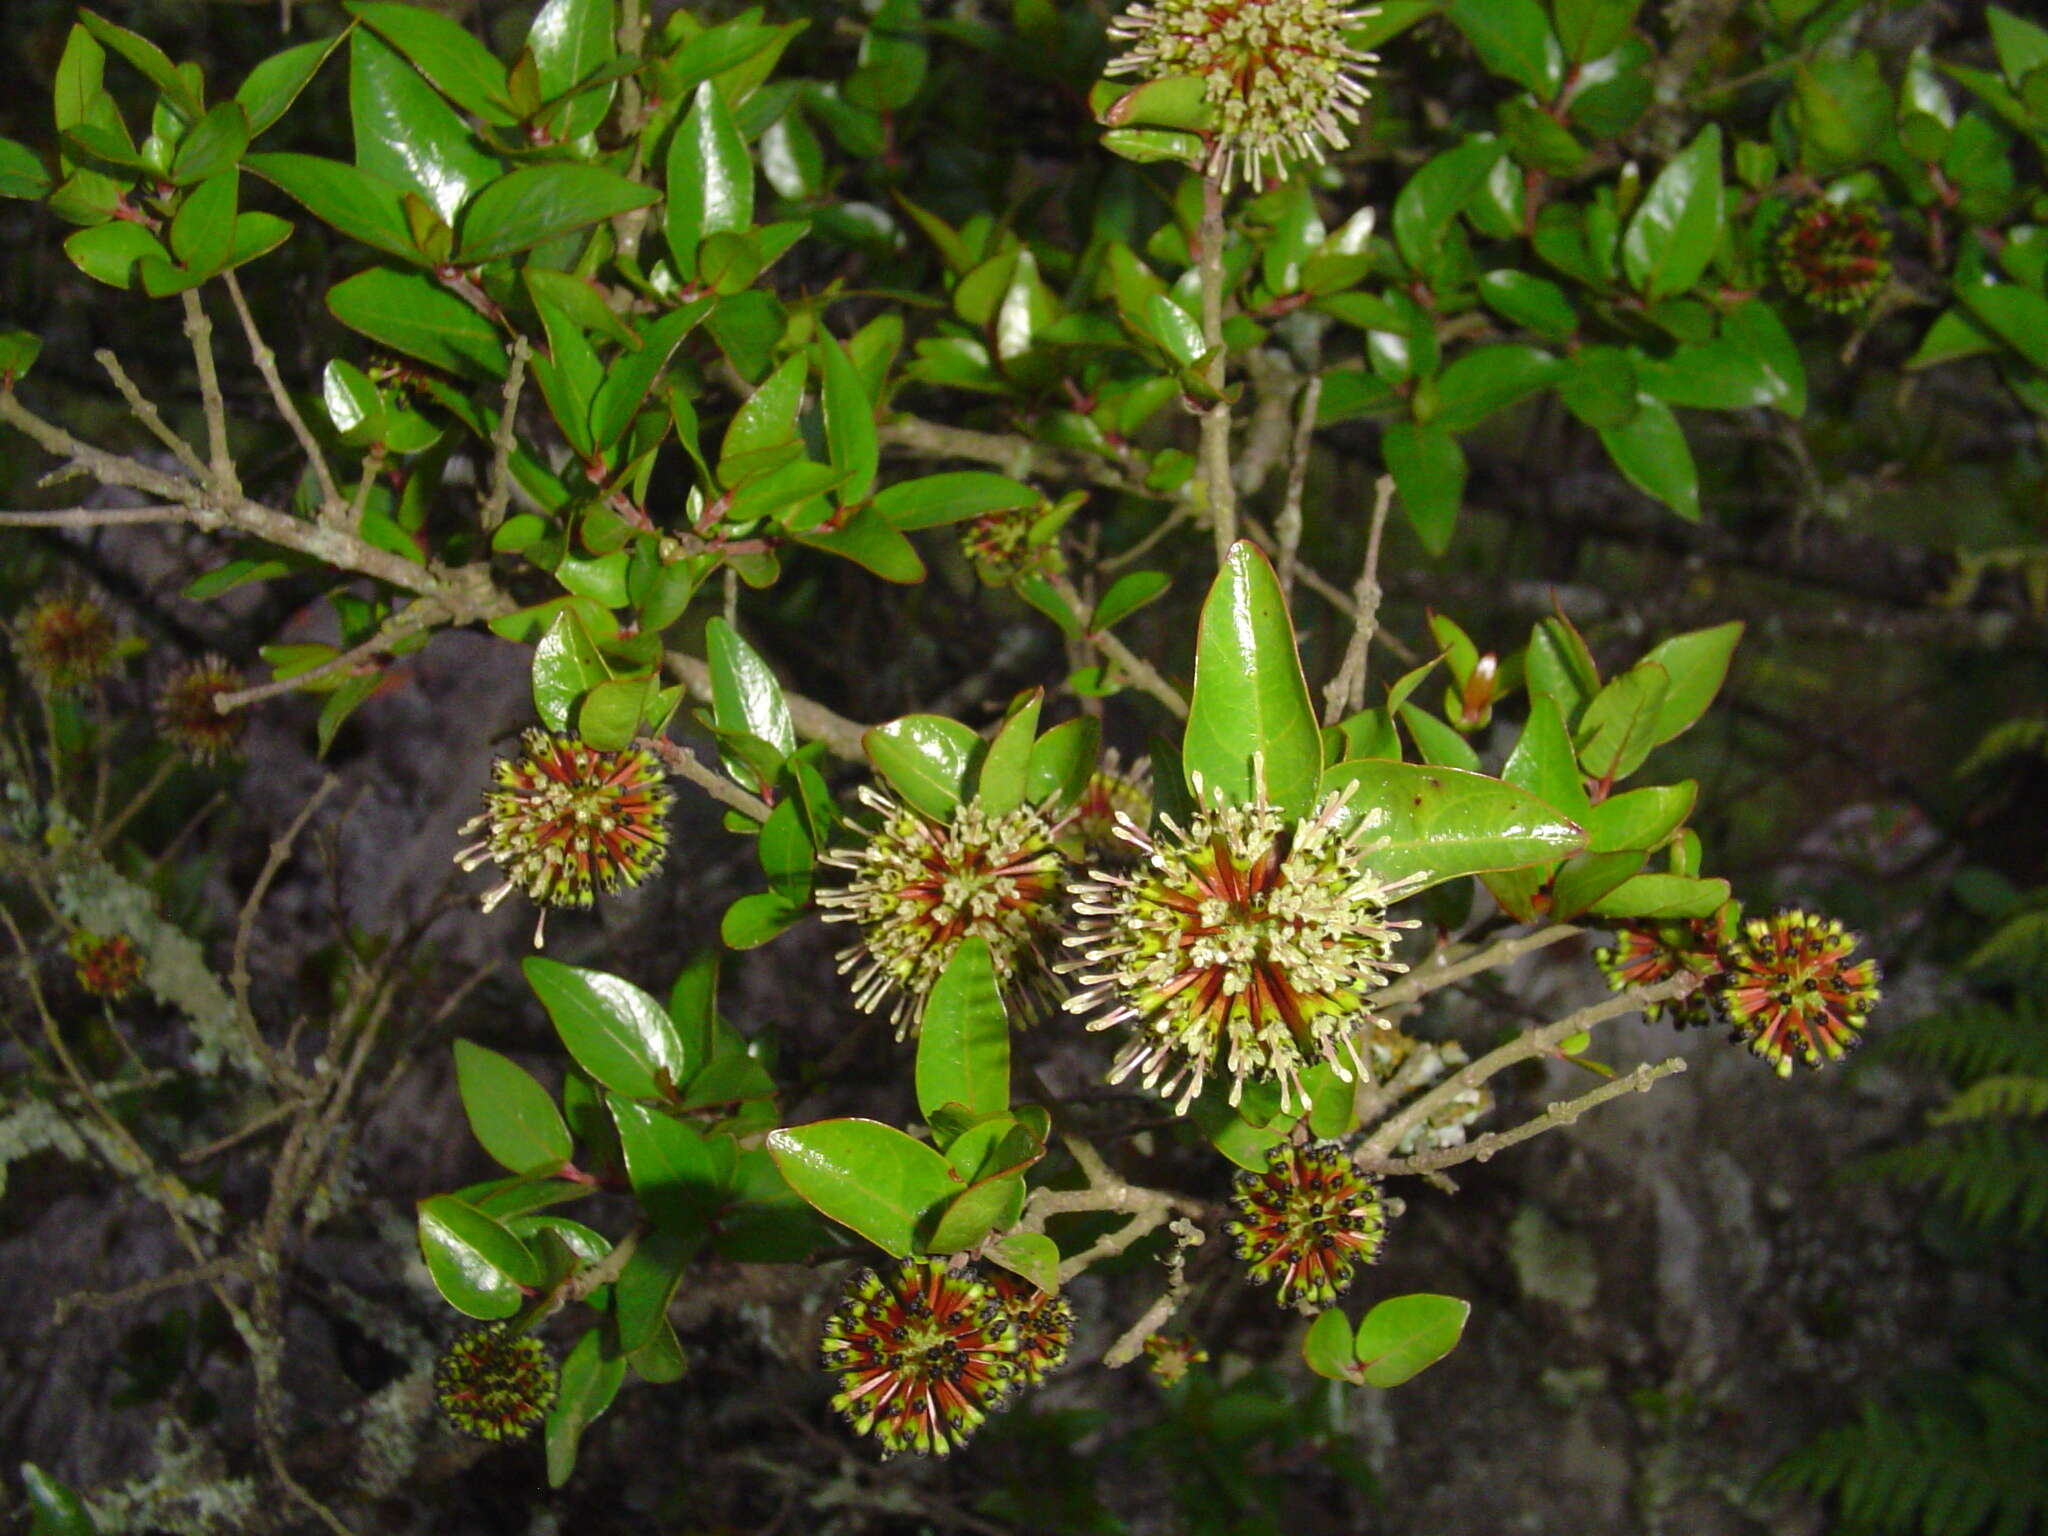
[(1972, 1041), (2017, 949), (2023, 736), (1994, 1172), (2005, 1097), (1976, 1472)]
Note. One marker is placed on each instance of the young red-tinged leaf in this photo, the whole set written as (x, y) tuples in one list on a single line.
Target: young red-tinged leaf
[(411, 313), (476, 1262), (538, 202), (1618, 728), (963, 1046), (1251, 729), (589, 1381), (1640, 818), (1006, 763), (512, 1116), (927, 759), (1663, 896), (866, 1176), (616, 1032), (1405, 1335), (1327, 1347), (1442, 823), (1033, 1255)]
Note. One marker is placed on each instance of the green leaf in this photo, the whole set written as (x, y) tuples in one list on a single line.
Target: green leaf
[(1435, 195), (151, 60), (1592, 29), (589, 1381), (1428, 467), (849, 421), (1544, 764), (57, 1510), (18, 353), (758, 919), (1529, 300), (744, 693), (108, 252), (203, 230), (1651, 452), (538, 203), (1619, 726), (1677, 225), (710, 178), (1327, 1347), (869, 542), (1696, 664), (406, 133), (1062, 761), (866, 1176), (974, 1213), (460, 67), (1639, 819), (1437, 742), (1440, 823), (571, 42), (1755, 328), (613, 712), (1033, 1255), (413, 314), (933, 500), (1512, 38), (1405, 1335), (1663, 896), (22, 173), (1586, 877), (1126, 595), (1844, 112), (1005, 764), (214, 144), (630, 379), (648, 1283), (1251, 729), (765, 423), (963, 1045), (617, 1033), (2018, 316), (566, 665), (926, 759), (476, 1262), (677, 1173), (272, 86), (361, 206), (512, 1116)]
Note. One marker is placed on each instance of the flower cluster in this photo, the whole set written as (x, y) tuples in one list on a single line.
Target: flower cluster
[(923, 1355), (1172, 1356), (921, 888), (106, 967), (1043, 1324), (566, 821), (1645, 953), (1790, 993), (1307, 1222), (493, 1384), (187, 716), (66, 641), (1000, 546), (1834, 255), (1246, 940), (1112, 795), (1279, 75)]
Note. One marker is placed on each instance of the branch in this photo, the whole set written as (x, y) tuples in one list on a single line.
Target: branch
[(1561, 1113), (1440, 970), (682, 762), (145, 411), (1346, 692), (1287, 526), (1132, 1342), (1135, 667), (424, 613), (1221, 492), (245, 927), (266, 364), (492, 513), (813, 721), (199, 330)]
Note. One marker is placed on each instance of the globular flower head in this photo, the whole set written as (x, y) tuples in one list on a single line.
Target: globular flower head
[(1791, 993), (564, 821), (1043, 1324), (921, 888), (1246, 943), (1112, 795), (66, 641), (1644, 953), (1172, 1356), (1278, 74), (106, 967), (1000, 546), (923, 1356), (1307, 1222), (494, 1384), (1834, 255), (186, 715)]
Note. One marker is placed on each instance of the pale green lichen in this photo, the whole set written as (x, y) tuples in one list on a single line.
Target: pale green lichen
[(187, 1494)]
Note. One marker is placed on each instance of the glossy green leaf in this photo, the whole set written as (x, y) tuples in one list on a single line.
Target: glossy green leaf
[(614, 712), (765, 423), (1440, 823), (406, 133), (588, 1383), (22, 172), (151, 60), (108, 252), (1663, 896), (361, 206), (1033, 1255), (213, 144), (272, 86), (1639, 818), (1436, 194), (866, 1176), (974, 1213), (963, 1044), (1676, 226), (1619, 726), (631, 378), (476, 1262), (413, 314), (572, 41), (1696, 665), (933, 500), (648, 1283), (1651, 451), (1544, 763), (1251, 729), (1512, 38), (1437, 742), (849, 421), (1327, 1348), (1428, 467), (203, 230), (1531, 301), (1755, 328), (617, 1033), (539, 202), (459, 66), (2016, 315), (677, 1172), (710, 177), (1586, 877), (512, 1116), (566, 665), (1150, 146), (1062, 760), (758, 919), (1592, 29), (1001, 784), (745, 695), (1178, 333), (1405, 1335), (926, 759), (1126, 595), (869, 542)]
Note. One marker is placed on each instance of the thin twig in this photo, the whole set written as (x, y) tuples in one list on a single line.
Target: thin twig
[(492, 513), (1561, 1113), (682, 762), (1140, 671), (145, 411), (1221, 491), (1287, 526), (266, 364), (199, 331), (142, 1290), (245, 925), (423, 613), (813, 721), (94, 517), (1453, 963), (1132, 1342), (104, 838), (1346, 691)]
